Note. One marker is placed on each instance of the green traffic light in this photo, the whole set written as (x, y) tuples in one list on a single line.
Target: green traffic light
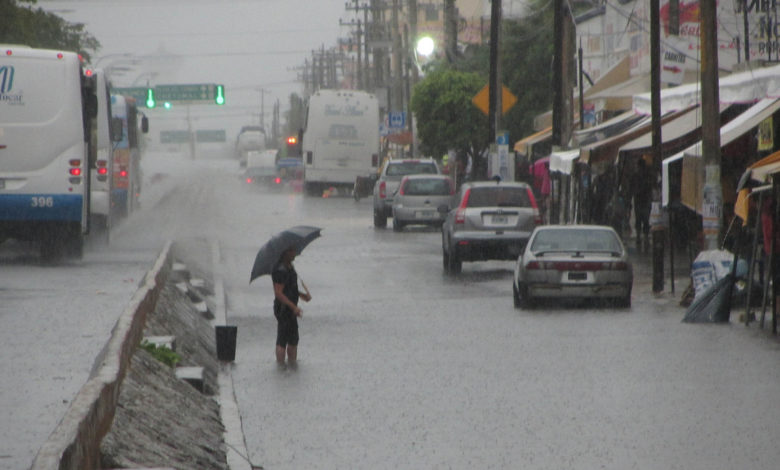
[(150, 102), (219, 95)]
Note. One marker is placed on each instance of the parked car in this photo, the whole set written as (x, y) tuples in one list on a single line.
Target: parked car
[(422, 200), (389, 179), (492, 221), (577, 261)]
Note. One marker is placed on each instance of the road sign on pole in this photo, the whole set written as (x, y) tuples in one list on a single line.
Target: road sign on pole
[(196, 93)]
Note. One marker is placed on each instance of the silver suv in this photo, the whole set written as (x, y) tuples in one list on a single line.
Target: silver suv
[(389, 181), (491, 220)]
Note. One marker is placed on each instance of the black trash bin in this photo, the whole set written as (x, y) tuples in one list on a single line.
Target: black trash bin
[(226, 342)]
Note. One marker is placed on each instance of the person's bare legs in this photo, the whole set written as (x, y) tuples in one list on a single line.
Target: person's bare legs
[(280, 354), (292, 355)]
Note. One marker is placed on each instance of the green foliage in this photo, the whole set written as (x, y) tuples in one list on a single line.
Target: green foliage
[(526, 70), (163, 354), (37, 28), (446, 117)]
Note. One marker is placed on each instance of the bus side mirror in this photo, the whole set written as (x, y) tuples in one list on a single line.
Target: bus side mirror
[(144, 124), (116, 130)]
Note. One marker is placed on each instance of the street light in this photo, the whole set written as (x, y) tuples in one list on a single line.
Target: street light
[(425, 46)]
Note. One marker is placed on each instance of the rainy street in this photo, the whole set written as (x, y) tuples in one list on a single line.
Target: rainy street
[(403, 367)]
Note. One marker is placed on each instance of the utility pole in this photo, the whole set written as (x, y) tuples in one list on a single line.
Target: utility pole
[(494, 95), (712, 197), (656, 138), (397, 81), (451, 28)]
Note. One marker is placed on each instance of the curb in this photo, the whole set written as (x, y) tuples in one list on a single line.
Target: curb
[(237, 454), (75, 442)]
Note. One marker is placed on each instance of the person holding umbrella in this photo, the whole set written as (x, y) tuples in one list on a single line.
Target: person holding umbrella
[(286, 310), (276, 257)]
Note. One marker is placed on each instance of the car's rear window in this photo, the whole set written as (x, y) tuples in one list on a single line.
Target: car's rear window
[(575, 240), (497, 196), (426, 187), (410, 168)]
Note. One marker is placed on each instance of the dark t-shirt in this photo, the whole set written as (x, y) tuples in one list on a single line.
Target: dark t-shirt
[(289, 278)]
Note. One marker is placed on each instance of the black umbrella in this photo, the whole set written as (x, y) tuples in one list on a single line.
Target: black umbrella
[(296, 237)]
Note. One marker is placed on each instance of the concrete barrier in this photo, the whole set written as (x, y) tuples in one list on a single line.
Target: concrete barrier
[(75, 442)]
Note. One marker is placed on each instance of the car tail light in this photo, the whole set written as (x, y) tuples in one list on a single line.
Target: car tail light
[(465, 201), (123, 173), (619, 266), (401, 188), (278, 180), (460, 216), (382, 190), (249, 180), (102, 171), (75, 171), (533, 265)]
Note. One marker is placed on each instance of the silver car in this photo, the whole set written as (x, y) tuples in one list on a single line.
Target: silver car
[(573, 261), (390, 177), (491, 220), (422, 200)]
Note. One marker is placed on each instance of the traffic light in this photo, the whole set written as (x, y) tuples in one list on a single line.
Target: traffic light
[(219, 94), (293, 149), (167, 105), (150, 102), (292, 140)]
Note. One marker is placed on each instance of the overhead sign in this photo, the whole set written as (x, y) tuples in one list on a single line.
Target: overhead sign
[(174, 137), (192, 92), (210, 135), (139, 93), (673, 63), (482, 99)]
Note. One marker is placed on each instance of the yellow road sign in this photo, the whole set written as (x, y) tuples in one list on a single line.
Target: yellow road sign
[(482, 99)]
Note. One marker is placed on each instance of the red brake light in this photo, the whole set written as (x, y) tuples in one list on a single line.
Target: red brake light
[(9, 52), (88, 72), (465, 201), (123, 173), (401, 189), (382, 190), (102, 170), (278, 180), (533, 265), (460, 216), (60, 55), (75, 171)]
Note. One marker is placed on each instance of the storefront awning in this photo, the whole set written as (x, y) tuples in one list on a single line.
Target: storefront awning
[(606, 129), (693, 167), (762, 170), (563, 161), (687, 122), (523, 145), (743, 87), (606, 150)]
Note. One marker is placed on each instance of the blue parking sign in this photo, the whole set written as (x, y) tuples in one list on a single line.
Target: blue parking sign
[(397, 119)]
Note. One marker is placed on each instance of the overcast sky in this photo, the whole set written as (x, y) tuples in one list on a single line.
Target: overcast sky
[(243, 44)]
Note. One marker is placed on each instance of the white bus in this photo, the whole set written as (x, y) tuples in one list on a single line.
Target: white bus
[(340, 139), (102, 206), (46, 109), (127, 154)]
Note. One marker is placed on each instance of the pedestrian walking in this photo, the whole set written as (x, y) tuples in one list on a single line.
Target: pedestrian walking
[(286, 310)]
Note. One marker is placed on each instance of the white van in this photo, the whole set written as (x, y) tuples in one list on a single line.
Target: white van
[(47, 106), (261, 166), (340, 139)]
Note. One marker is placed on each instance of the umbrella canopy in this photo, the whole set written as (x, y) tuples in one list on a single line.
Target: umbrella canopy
[(296, 237)]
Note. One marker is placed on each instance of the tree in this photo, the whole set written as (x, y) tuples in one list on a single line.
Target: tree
[(23, 24), (446, 117)]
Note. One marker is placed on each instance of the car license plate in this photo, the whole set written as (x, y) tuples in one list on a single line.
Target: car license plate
[(499, 219), (423, 214), (578, 276)]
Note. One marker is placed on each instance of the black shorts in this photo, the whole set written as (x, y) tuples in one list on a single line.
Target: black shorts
[(286, 329)]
